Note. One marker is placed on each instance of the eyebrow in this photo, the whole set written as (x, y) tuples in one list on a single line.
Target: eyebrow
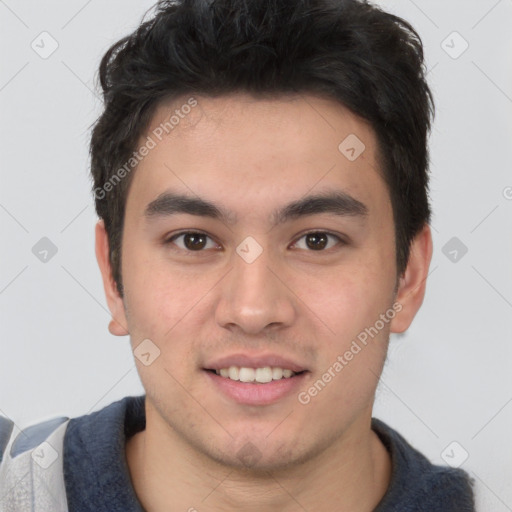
[(335, 202)]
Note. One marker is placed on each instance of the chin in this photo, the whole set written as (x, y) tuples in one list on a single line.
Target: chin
[(260, 455)]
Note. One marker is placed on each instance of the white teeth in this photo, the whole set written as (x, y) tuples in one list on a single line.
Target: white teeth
[(264, 374), (234, 373), (247, 374), (277, 373), (261, 375)]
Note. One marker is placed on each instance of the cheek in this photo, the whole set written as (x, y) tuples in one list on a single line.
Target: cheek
[(169, 305), (348, 299), (155, 296), (353, 354), (157, 305), (161, 306)]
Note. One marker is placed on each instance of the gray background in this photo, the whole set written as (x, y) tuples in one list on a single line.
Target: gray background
[(448, 379)]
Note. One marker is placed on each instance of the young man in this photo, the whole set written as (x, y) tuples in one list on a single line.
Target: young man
[(261, 175)]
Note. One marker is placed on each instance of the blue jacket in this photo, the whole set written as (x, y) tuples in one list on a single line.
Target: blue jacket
[(79, 465)]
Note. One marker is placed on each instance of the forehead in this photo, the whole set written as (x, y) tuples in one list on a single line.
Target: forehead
[(241, 151), (301, 115)]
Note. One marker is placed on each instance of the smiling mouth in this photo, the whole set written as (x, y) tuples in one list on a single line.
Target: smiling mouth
[(262, 375)]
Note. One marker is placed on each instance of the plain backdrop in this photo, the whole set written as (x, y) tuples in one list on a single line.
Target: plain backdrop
[(447, 385)]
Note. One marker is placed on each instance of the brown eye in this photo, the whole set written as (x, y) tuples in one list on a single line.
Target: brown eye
[(191, 241), (318, 240)]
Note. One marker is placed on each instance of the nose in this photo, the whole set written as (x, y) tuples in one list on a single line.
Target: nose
[(255, 296)]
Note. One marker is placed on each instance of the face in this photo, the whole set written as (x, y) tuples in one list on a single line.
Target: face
[(291, 266)]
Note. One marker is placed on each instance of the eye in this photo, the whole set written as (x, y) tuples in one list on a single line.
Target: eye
[(318, 240), (193, 241), (197, 241)]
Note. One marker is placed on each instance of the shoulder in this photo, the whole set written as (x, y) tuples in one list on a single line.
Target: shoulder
[(61, 462), (451, 486), (95, 471), (416, 484), (27, 439), (31, 465)]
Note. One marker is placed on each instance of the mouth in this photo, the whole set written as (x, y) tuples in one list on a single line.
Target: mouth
[(246, 380), (248, 375)]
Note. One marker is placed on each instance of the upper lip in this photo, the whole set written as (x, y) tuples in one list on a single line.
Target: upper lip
[(254, 361)]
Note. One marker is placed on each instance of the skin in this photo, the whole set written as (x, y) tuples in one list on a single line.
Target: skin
[(252, 156)]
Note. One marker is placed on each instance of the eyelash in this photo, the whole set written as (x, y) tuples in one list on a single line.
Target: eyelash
[(171, 239)]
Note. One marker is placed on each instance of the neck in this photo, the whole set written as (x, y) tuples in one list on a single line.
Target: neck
[(352, 474)]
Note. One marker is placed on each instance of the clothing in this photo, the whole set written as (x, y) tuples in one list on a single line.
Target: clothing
[(96, 476)]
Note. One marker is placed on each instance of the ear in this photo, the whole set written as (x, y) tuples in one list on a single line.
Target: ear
[(118, 324), (412, 284)]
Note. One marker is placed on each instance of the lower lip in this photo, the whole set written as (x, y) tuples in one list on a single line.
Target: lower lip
[(255, 393)]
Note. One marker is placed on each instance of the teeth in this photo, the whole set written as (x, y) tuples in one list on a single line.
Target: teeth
[(247, 375), (233, 373), (261, 375), (277, 373)]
